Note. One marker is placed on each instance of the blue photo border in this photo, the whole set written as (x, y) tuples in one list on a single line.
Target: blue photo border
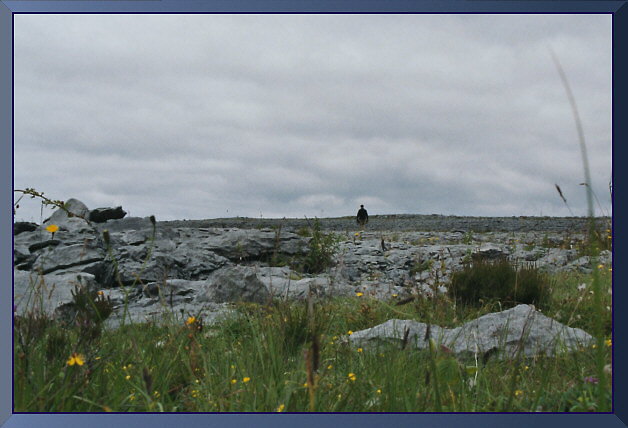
[(7, 10)]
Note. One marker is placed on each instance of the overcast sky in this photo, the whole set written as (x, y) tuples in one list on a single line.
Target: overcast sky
[(203, 116)]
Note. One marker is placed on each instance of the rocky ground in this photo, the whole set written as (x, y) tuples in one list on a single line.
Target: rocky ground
[(406, 223), (198, 267)]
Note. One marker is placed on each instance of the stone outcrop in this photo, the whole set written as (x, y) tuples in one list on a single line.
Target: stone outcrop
[(519, 331), (179, 268)]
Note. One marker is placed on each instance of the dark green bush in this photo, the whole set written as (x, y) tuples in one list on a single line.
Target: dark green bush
[(498, 280), (321, 249)]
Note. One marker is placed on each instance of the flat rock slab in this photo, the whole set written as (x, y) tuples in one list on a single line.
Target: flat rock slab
[(62, 257), (517, 331), (46, 293)]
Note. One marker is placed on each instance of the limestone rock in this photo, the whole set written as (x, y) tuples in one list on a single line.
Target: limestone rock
[(23, 226), (234, 283), (101, 215), (73, 208), (61, 257), (517, 331), (46, 293)]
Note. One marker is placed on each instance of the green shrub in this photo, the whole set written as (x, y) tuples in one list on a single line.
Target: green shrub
[(498, 280), (321, 250)]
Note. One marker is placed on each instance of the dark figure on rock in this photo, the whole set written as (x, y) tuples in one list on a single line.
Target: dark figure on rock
[(362, 217)]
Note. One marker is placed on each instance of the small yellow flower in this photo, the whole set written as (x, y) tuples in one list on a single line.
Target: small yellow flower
[(194, 393), (52, 228), (349, 332), (305, 385), (360, 349), (518, 393), (395, 295), (234, 381), (329, 367), (191, 320), (127, 377), (246, 379), (608, 342), (352, 377), (77, 359), (281, 408), (379, 391), (600, 266), (132, 397), (156, 394), (359, 294)]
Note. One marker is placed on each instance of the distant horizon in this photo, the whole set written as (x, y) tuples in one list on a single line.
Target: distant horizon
[(348, 216)]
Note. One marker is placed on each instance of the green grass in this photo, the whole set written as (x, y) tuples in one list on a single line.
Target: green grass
[(256, 362)]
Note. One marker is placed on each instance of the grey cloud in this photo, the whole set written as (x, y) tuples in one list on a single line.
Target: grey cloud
[(213, 115)]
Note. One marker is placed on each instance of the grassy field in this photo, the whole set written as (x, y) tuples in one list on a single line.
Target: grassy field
[(290, 357)]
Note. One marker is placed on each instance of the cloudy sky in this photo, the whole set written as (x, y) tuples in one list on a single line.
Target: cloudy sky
[(203, 116)]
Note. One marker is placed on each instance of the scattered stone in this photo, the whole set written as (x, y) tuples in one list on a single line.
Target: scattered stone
[(235, 283), (101, 215), (517, 331), (73, 208)]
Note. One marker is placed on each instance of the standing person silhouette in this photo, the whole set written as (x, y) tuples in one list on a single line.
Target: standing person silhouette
[(362, 217)]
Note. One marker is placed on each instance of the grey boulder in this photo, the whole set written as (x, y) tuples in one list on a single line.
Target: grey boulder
[(517, 331), (101, 215), (46, 293), (235, 283)]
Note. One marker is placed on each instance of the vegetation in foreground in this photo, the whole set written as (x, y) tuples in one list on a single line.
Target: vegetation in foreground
[(290, 357)]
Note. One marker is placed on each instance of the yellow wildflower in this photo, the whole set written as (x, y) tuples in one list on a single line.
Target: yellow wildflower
[(77, 359), (246, 379), (52, 228), (379, 391), (359, 294), (608, 342), (191, 320), (234, 381), (518, 393), (281, 408), (360, 349), (349, 332), (352, 377)]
